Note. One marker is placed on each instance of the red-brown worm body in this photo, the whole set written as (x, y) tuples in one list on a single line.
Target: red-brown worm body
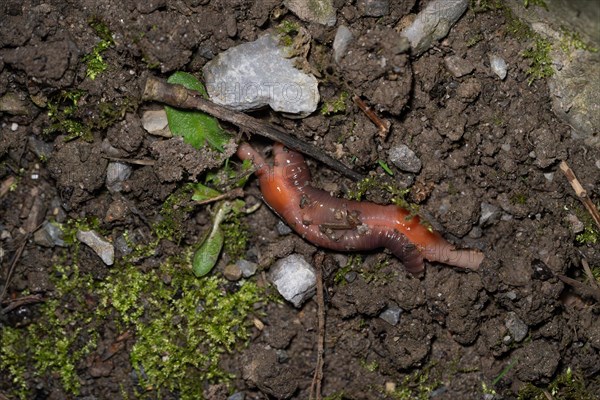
[(348, 225)]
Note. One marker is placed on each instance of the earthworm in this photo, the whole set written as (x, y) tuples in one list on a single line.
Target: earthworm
[(348, 225)]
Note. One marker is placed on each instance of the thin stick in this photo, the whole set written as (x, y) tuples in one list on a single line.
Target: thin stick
[(178, 96), (12, 304), (588, 272), (315, 387), (581, 287), (382, 125), (580, 192)]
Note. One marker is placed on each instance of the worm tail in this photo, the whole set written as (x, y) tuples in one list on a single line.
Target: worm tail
[(446, 253)]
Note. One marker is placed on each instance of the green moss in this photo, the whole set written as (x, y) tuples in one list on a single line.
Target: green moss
[(94, 61), (62, 112), (369, 366), (569, 385), (182, 325), (571, 40), (591, 233), (538, 3), (60, 339), (416, 386), (354, 262), (174, 212), (519, 198), (540, 62), (336, 105), (287, 31), (473, 40)]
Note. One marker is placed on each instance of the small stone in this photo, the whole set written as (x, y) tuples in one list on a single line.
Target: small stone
[(511, 295), (155, 123), (549, 176), (433, 23), (576, 225), (10, 103), (237, 396), (318, 11), (49, 235), (405, 159), (518, 329), (498, 66), (103, 248), (391, 314), (232, 272), (458, 66), (41, 149), (116, 174), (342, 39), (489, 214), (260, 73), (294, 278), (248, 268), (350, 276), (283, 229), (374, 8), (14, 126)]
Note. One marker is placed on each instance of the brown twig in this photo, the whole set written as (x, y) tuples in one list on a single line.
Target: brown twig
[(232, 194), (589, 274), (581, 288), (178, 96), (315, 387), (6, 185), (12, 304), (580, 192), (382, 125), (131, 161)]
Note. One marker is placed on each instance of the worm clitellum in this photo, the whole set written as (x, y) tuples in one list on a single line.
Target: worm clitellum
[(348, 225)]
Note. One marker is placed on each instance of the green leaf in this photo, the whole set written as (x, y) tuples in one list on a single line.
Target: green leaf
[(207, 255), (195, 127), (385, 167), (202, 192)]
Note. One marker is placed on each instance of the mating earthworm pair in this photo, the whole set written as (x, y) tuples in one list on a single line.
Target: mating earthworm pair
[(348, 225)]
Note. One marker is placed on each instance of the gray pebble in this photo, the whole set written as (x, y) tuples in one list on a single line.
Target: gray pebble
[(248, 268), (458, 66), (374, 8), (342, 39), (283, 229), (498, 66), (489, 214), (49, 235), (103, 248), (405, 159), (517, 328), (294, 278), (391, 314)]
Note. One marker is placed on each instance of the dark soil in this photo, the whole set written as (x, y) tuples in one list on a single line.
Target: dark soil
[(480, 140)]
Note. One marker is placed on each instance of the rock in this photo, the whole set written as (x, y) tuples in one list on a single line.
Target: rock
[(489, 214), (49, 235), (155, 123), (248, 268), (232, 272), (404, 158), (103, 248), (576, 225), (518, 329), (41, 149), (283, 229), (12, 104), (237, 396), (374, 8), (116, 174), (458, 66), (433, 23), (318, 11), (260, 73), (498, 66), (574, 99), (391, 314), (342, 39), (294, 278)]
